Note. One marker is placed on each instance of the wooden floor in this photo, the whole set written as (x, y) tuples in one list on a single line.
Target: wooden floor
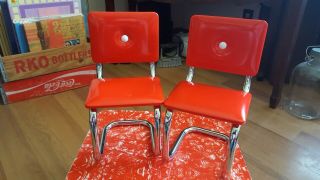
[(40, 137)]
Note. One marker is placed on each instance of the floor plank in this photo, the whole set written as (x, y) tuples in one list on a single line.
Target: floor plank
[(40, 137)]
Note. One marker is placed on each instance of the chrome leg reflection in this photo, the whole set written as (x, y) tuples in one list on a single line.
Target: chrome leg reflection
[(166, 135), (232, 144), (157, 125), (94, 133)]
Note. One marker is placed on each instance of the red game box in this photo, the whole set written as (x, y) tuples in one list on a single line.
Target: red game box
[(47, 84)]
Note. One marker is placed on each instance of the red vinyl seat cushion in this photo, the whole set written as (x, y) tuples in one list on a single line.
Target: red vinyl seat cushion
[(215, 102), (122, 92)]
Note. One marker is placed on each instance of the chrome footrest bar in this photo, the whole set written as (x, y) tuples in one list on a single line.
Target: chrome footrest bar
[(231, 140), (127, 123), (194, 129), (98, 141)]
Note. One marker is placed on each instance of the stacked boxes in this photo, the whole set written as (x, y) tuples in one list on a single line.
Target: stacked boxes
[(55, 32), (51, 52), (45, 72)]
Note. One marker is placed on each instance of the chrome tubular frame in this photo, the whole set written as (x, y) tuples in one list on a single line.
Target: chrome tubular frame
[(127, 123), (166, 136), (247, 84), (194, 129), (231, 140), (168, 153), (157, 134), (94, 132), (98, 142), (232, 144), (99, 71), (190, 74), (152, 70)]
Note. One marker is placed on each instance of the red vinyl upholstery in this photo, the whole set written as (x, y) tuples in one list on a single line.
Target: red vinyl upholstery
[(108, 28), (243, 38), (214, 102), (107, 46), (229, 45), (120, 92), (124, 37)]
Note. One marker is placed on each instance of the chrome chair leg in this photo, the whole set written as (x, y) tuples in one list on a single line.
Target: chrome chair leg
[(94, 133), (98, 141), (168, 153), (231, 141), (194, 129), (157, 125), (232, 144), (126, 123), (166, 136)]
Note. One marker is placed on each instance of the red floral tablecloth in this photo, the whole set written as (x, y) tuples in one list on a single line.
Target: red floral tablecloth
[(128, 153)]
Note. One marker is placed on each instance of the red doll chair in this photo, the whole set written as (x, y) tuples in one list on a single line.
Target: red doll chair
[(223, 44), (124, 37)]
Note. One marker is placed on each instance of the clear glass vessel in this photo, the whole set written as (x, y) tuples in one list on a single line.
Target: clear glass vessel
[(303, 96)]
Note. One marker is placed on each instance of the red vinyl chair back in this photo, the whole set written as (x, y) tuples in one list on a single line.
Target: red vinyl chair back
[(124, 37), (231, 45)]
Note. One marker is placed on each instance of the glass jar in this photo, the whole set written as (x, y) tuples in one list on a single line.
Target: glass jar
[(303, 96)]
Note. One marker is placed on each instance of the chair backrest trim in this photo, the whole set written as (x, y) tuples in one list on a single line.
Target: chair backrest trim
[(99, 70), (247, 84), (190, 74), (152, 70)]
